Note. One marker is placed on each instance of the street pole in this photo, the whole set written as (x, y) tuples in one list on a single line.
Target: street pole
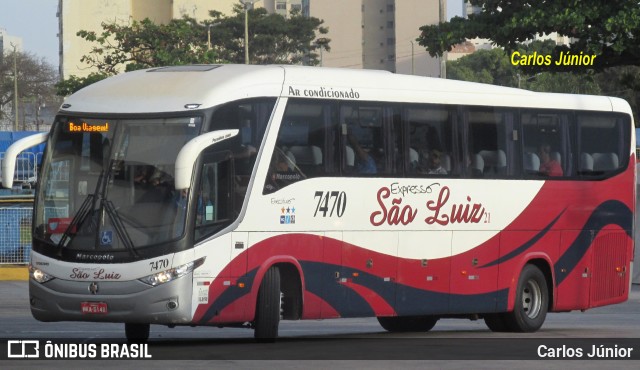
[(246, 4), (38, 107), (246, 33), (443, 60), (413, 70), (15, 88)]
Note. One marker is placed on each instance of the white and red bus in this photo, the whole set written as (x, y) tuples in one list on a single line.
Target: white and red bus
[(242, 195)]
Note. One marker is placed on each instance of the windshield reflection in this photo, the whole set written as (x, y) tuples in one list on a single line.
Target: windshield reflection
[(109, 185)]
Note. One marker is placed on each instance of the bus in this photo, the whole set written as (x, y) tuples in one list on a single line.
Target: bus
[(240, 196)]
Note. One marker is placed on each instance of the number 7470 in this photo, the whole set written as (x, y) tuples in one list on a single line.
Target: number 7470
[(330, 202)]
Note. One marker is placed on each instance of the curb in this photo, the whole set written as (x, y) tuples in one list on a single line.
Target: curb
[(14, 273)]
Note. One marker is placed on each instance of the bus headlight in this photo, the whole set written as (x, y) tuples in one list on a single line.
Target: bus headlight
[(172, 274), (39, 275)]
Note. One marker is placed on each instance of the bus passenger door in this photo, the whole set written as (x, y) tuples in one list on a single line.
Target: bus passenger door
[(369, 273), (324, 283), (239, 245)]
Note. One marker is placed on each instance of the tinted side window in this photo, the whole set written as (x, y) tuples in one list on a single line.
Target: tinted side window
[(250, 117), (431, 141), (365, 150), (546, 149), (489, 152), (603, 144), (304, 147)]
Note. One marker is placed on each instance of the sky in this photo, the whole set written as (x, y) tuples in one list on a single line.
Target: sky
[(36, 23)]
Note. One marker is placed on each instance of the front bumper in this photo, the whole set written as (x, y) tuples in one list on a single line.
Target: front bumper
[(127, 301)]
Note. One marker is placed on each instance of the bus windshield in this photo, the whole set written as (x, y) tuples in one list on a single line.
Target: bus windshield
[(107, 185)]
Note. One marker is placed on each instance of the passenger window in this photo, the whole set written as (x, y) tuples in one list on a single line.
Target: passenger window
[(545, 143), (431, 139), (487, 143), (250, 117), (301, 147), (364, 146), (602, 144)]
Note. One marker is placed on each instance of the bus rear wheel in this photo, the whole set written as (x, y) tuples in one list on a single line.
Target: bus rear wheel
[(400, 324), (532, 301), (268, 307), (137, 333)]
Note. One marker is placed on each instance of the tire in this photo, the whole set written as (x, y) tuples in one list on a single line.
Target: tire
[(137, 333), (400, 324), (532, 302), (496, 322), (268, 307)]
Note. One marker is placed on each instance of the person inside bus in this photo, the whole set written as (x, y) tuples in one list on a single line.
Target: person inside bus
[(431, 163), (155, 185), (365, 163), (548, 165), (435, 163), (143, 175), (281, 173)]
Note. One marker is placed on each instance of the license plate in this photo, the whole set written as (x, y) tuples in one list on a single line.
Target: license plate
[(94, 308)]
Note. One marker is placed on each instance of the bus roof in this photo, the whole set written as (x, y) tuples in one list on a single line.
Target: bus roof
[(181, 88)]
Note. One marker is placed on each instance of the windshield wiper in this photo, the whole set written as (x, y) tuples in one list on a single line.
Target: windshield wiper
[(87, 207), (108, 206), (119, 226)]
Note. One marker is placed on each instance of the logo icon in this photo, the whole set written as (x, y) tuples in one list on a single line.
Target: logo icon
[(23, 349), (93, 288), (106, 237), (287, 215)]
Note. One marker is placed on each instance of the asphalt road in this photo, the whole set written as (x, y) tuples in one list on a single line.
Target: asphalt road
[(346, 343)]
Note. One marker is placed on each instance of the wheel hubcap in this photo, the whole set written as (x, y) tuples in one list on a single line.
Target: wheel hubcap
[(531, 299)]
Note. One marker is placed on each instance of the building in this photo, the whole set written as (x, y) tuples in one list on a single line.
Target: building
[(7, 43), (375, 34), (88, 15), (371, 34), (468, 9), (410, 15), (460, 50)]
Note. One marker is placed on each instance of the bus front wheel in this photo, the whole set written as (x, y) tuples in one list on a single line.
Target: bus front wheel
[(532, 301), (137, 333), (407, 323), (268, 307)]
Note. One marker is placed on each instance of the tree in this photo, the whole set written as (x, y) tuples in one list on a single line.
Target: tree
[(564, 82), (608, 29), (623, 82), (494, 67), (485, 66), (144, 44), (273, 39), (75, 83), (36, 80)]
